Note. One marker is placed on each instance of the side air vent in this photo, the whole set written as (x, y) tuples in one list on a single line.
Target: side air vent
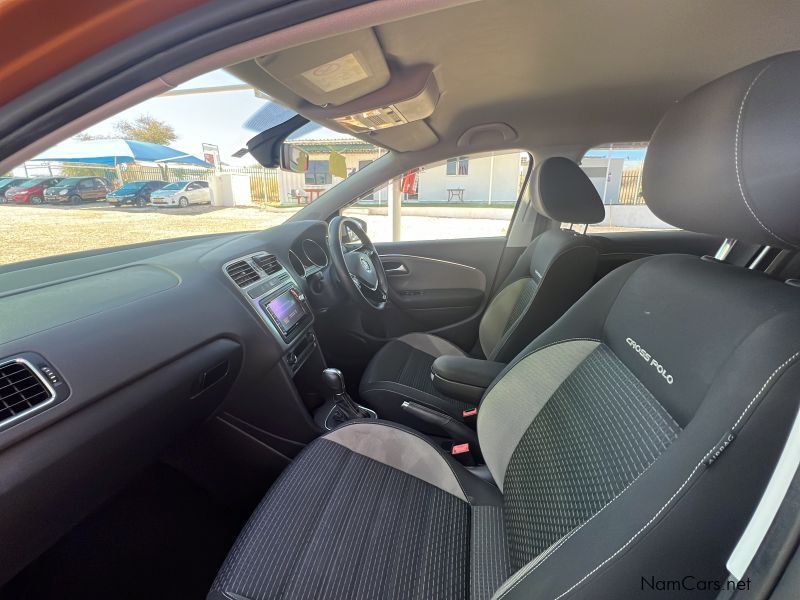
[(21, 390), (242, 273), (267, 263)]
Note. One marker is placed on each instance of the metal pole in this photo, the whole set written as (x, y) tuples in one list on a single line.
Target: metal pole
[(394, 205), (608, 169), (491, 177)]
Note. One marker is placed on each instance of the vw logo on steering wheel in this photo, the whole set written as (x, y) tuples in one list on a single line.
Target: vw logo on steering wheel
[(366, 265)]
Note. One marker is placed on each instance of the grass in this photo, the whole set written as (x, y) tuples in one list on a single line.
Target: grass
[(29, 232)]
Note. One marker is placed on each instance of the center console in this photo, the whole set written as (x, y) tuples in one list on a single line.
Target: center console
[(279, 302)]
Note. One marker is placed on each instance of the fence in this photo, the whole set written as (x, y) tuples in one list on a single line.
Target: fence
[(630, 188)]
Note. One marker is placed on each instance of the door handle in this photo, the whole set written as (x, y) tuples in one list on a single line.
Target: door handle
[(400, 269)]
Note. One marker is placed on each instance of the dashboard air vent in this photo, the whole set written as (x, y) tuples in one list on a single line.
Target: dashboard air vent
[(21, 389), (242, 273), (267, 263)]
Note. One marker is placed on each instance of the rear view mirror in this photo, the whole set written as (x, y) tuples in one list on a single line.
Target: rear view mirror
[(293, 159)]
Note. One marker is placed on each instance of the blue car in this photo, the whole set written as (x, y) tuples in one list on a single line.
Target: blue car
[(136, 193)]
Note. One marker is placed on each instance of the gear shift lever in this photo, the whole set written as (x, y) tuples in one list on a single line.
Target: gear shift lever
[(334, 380)]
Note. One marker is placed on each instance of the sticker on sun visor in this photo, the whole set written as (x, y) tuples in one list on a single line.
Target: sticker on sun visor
[(336, 73)]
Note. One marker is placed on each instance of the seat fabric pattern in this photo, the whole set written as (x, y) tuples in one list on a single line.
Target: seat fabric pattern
[(401, 370), (410, 367), (489, 551), (340, 525), (598, 432), (529, 288)]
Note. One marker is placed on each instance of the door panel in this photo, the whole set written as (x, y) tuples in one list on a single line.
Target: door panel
[(410, 273), (439, 286)]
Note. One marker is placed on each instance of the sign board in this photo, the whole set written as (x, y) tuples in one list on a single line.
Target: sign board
[(211, 155)]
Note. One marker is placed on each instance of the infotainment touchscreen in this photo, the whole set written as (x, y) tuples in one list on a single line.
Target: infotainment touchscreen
[(286, 311)]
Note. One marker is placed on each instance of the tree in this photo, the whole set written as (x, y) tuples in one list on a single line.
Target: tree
[(146, 128)]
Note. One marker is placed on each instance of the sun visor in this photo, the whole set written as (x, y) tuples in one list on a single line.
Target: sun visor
[(410, 96), (333, 71)]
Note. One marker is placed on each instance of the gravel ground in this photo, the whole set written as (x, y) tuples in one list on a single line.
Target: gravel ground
[(29, 232)]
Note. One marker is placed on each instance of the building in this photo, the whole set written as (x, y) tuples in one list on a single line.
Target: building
[(491, 178)]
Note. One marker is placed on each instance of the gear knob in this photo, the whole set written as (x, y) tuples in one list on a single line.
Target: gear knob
[(334, 379)]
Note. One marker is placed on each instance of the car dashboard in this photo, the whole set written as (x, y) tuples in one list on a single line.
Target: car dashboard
[(134, 347)]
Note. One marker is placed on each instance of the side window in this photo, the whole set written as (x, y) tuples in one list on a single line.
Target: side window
[(616, 172), (463, 197), (87, 184), (192, 186)]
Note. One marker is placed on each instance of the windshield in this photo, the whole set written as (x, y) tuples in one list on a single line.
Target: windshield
[(69, 181), (30, 183), (131, 187), (210, 186)]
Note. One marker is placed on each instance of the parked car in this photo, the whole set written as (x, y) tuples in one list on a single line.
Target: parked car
[(182, 194), (7, 183), (135, 192), (79, 189), (31, 191)]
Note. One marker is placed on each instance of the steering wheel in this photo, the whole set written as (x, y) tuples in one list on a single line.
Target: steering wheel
[(358, 265)]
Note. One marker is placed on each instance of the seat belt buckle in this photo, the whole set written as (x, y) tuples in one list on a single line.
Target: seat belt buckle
[(463, 454), (459, 449), (472, 412)]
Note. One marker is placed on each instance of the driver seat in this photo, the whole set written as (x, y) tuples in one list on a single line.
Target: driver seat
[(555, 270)]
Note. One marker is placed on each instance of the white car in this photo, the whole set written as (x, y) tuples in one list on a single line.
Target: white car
[(182, 194)]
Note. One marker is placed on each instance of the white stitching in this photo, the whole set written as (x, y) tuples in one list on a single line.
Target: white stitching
[(736, 159), (660, 510)]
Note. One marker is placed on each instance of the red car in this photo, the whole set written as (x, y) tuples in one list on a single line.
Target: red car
[(31, 191)]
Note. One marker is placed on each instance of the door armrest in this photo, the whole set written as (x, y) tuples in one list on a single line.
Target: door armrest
[(463, 378)]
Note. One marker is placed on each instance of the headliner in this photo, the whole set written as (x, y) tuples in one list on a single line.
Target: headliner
[(580, 73)]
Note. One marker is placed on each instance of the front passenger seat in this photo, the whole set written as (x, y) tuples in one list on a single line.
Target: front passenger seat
[(555, 270)]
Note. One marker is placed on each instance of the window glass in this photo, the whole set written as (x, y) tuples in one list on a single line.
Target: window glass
[(31, 183), (616, 172), (435, 206), (465, 197), (458, 166)]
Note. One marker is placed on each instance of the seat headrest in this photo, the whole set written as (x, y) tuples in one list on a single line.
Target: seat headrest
[(563, 192), (726, 159)]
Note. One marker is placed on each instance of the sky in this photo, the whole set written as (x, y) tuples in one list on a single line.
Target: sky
[(214, 118)]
